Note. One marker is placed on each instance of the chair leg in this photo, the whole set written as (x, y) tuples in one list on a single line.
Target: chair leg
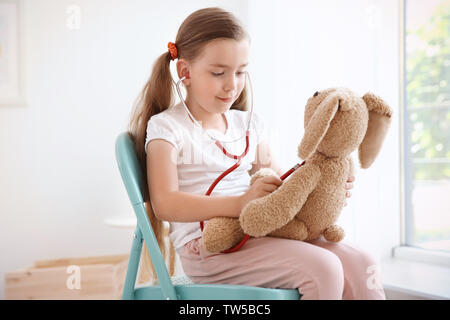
[(133, 265)]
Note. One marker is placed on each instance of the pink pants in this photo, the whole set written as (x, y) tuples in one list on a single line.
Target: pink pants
[(318, 269)]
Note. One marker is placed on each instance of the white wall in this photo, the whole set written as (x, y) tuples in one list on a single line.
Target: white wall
[(58, 175), (59, 178)]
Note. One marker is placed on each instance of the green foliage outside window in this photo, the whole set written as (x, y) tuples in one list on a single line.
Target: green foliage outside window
[(428, 95)]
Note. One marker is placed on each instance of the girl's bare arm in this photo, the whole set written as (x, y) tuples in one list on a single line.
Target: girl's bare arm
[(169, 203)]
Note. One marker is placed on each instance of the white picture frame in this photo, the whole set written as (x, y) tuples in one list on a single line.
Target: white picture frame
[(12, 66)]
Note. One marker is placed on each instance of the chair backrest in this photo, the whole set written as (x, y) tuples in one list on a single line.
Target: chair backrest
[(134, 181), (130, 168)]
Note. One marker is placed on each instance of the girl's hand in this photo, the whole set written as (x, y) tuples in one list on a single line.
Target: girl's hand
[(260, 188), (348, 186)]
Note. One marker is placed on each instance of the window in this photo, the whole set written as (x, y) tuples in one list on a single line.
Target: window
[(426, 91)]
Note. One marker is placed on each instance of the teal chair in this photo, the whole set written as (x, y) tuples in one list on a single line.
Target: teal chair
[(177, 287)]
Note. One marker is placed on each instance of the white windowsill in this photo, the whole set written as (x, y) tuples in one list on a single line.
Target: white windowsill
[(419, 254), (414, 273)]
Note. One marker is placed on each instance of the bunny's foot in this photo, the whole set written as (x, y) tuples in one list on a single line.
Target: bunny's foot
[(295, 229), (334, 233), (222, 233)]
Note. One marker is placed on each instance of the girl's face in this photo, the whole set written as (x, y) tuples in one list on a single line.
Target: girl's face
[(217, 77)]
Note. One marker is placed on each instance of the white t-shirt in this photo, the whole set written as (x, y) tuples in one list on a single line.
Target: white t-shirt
[(200, 161)]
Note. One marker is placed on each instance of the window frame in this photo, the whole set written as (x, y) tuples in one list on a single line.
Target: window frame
[(405, 250)]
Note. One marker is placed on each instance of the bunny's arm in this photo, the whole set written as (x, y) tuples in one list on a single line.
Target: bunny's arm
[(264, 215)]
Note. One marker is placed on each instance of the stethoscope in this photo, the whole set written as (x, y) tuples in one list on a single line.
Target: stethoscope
[(199, 125), (232, 156)]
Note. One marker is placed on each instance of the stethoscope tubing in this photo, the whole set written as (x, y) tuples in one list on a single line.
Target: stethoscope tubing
[(200, 126)]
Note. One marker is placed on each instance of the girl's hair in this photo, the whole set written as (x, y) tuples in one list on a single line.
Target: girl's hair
[(197, 30)]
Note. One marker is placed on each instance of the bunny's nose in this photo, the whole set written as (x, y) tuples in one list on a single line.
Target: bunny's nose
[(316, 94)]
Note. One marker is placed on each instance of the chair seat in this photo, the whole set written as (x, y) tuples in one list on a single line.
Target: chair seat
[(217, 292), (181, 280)]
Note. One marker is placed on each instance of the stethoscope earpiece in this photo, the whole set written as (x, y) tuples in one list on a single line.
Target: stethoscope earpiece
[(185, 77)]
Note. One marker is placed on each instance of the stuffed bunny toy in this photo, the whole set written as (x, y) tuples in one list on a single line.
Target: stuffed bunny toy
[(307, 204)]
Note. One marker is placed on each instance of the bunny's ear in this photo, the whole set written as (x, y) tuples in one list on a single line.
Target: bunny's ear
[(379, 121), (318, 125)]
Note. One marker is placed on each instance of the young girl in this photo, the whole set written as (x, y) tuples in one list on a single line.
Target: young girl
[(182, 161)]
